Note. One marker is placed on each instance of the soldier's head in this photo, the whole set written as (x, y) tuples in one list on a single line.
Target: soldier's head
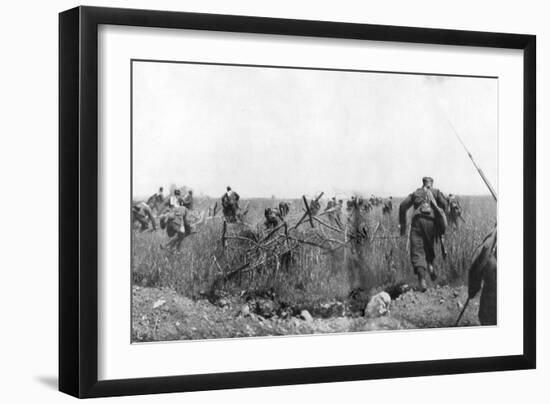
[(190, 192), (161, 189), (427, 182), (228, 188), (177, 192)]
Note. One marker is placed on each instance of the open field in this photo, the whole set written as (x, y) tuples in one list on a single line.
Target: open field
[(312, 276)]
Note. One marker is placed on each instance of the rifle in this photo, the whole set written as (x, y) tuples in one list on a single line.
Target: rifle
[(462, 312), (479, 170)]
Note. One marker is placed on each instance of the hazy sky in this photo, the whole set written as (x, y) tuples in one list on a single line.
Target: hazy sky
[(288, 132)]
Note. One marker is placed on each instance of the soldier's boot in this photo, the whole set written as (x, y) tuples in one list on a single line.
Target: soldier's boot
[(431, 271), (421, 273)]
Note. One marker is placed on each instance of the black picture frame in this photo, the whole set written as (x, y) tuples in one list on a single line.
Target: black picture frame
[(78, 201)]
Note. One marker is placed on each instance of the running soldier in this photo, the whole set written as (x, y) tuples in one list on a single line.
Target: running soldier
[(427, 225), (177, 226), (230, 205), (156, 199)]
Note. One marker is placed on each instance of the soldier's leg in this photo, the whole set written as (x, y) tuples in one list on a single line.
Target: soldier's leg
[(418, 256), (421, 274), (150, 215), (428, 235)]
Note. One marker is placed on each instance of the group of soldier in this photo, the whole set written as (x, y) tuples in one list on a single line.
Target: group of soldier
[(171, 213), (432, 214)]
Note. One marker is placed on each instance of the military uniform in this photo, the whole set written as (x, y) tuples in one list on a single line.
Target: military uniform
[(484, 270), (187, 201), (141, 212), (424, 227), (176, 222), (230, 205), (270, 218)]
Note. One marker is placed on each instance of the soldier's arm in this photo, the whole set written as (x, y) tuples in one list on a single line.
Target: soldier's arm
[(403, 208)]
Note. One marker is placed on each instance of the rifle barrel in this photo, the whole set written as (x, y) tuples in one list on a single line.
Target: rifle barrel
[(479, 170)]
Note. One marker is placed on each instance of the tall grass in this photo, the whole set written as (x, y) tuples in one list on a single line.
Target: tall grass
[(312, 275)]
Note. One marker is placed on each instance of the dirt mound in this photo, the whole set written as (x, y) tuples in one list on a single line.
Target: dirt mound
[(160, 314), (437, 307)]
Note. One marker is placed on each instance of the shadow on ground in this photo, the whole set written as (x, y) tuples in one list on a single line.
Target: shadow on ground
[(48, 381)]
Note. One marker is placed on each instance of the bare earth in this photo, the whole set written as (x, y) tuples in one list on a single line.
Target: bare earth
[(160, 314)]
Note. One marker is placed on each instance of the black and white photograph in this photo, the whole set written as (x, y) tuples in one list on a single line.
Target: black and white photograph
[(286, 200)]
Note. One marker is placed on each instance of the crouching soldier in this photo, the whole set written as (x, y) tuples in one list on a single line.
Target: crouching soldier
[(141, 212), (284, 208), (177, 226), (427, 224), (271, 220)]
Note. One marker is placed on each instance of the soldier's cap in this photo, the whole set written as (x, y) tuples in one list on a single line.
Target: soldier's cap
[(177, 192), (427, 179)]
